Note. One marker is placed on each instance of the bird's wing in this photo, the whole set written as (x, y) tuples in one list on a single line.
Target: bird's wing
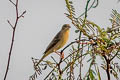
[(55, 40)]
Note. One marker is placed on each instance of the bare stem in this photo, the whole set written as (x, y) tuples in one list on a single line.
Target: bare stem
[(108, 66), (59, 68), (13, 36)]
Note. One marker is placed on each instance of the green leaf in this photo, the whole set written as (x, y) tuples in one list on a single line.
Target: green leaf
[(98, 73), (89, 60), (76, 31), (92, 77), (88, 78), (118, 56)]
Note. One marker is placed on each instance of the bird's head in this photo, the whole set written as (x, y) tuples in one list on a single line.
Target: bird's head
[(65, 27)]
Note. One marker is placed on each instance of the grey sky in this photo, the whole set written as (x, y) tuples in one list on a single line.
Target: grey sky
[(42, 21)]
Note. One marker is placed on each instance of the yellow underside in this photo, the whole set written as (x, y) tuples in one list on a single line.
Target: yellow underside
[(61, 43)]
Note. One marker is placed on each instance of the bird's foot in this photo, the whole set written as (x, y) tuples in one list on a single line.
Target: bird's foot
[(60, 54)]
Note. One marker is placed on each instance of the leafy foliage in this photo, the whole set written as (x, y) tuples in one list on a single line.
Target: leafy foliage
[(93, 41)]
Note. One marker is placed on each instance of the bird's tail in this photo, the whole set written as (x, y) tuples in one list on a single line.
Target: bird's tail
[(45, 55)]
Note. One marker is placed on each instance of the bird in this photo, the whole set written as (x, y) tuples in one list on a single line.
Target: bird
[(58, 42)]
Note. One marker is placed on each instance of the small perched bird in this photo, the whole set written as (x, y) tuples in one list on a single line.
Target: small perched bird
[(58, 41)]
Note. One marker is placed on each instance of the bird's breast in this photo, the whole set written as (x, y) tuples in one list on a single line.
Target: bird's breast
[(65, 38)]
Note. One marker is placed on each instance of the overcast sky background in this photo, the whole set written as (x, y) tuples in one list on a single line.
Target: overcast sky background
[(42, 21)]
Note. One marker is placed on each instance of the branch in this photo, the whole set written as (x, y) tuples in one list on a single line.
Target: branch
[(60, 71), (77, 41), (68, 45), (22, 14), (10, 24), (13, 36), (114, 55), (108, 66), (59, 68), (49, 74), (91, 6), (12, 2)]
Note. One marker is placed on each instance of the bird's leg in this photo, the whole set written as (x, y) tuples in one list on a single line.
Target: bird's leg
[(60, 54)]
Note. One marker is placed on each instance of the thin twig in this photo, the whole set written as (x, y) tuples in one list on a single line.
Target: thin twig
[(59, 68), (108, 66), (68, 45), (22, 14), (13, 36), (12, 2), (81, 56), (91, 6), (86, 9), (77, 41), (49, 73), (10, 24), (114, 55)]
